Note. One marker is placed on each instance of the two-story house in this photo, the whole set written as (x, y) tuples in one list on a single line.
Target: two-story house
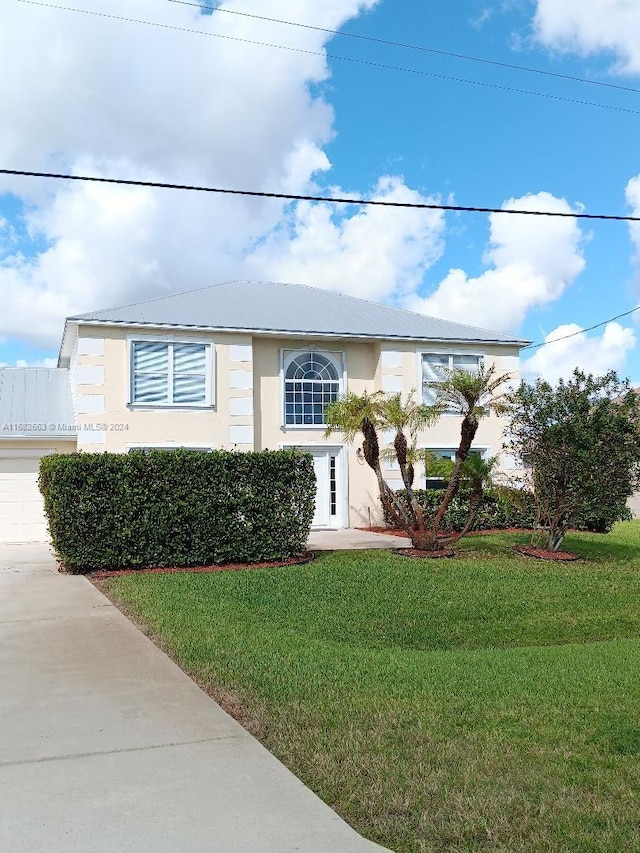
[(244, 365)]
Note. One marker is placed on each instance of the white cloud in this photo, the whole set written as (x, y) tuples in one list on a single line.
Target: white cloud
[(114, 98), (633, 200), (595, 354), (533, 260), (592, 26), (376, 253)]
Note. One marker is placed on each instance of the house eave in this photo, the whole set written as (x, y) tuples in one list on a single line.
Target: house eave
[(279, 333)]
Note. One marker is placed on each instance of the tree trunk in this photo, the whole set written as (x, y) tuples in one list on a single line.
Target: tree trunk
[(424, 540), (555, 536), (467, 434), (557, 530), (475, 503), (390, 502)]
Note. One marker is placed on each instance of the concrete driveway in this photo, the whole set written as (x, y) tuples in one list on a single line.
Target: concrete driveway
[(106, 745)]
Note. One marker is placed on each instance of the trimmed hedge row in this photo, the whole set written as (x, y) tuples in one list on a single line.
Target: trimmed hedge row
[(504, 508), (177, 508)]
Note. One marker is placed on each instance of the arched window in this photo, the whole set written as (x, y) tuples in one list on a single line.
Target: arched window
[(311, 381)]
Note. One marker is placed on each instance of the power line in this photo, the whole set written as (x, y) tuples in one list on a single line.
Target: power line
[(582, 331), (319, 198), (408, 46), (366, 62)]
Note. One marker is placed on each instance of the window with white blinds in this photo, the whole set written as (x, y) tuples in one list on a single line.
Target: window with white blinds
[(434, 365), (170, 374)]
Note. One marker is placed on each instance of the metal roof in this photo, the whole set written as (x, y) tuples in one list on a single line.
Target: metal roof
[(260, 306), (35, 402)]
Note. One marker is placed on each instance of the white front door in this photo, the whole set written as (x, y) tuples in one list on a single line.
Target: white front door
[(328, 510)]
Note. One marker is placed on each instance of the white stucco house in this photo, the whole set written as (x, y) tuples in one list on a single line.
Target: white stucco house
[(245, 365)]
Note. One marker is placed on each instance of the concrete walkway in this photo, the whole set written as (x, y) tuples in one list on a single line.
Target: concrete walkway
[(107, 746), (348, 540)]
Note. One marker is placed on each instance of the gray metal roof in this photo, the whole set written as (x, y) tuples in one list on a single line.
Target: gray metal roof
[(260, 306), (35, 402)]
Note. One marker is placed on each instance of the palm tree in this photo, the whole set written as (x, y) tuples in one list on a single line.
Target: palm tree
[(473, 395), (470, 394), (476, 473), (365, 413)]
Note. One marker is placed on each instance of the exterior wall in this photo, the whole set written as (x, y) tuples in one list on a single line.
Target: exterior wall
[(634, 504), (400, 370), (31, 447), (107, 422), (387, 366), (360, 362), (247, 411)]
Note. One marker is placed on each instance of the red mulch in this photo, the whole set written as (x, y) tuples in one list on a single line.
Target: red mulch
[(423, 555), (542, 554), (225, 567), (395, 531)]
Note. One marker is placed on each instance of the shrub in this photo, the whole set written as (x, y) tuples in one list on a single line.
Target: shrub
[(178, 508), (507, 507), (501, 508)]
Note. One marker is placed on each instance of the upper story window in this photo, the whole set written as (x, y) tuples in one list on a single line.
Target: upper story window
[(311, 380), (434, 364), (171, 373)]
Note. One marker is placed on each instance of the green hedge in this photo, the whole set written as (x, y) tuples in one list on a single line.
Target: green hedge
[(505, 507), (177, 508), (500, 509)]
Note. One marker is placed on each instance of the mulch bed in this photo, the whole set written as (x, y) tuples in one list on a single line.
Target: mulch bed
[(224, 567), (542, 554), (423, 555)]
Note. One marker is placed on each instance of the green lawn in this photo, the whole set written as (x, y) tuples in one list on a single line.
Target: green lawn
[(488, 702)]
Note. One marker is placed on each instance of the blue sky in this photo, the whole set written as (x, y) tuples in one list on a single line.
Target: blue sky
[(118, 98)]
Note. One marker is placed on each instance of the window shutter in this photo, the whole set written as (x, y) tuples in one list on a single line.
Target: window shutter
[(150, 372), (189, 373)]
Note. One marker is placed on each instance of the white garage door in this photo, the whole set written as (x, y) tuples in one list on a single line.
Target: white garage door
[(22, 517)]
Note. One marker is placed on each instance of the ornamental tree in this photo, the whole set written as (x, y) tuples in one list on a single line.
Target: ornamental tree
[(470, 394), (579, 443)]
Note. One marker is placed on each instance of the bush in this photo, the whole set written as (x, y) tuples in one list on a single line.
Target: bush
[(600, 518), (507, 507), (178, 508), (501, 508)]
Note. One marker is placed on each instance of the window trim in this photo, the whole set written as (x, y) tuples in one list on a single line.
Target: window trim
[(210, 364), (339, 360)]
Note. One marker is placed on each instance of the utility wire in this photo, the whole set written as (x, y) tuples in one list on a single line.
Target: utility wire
[(328, 199), (408, 46), (582, 331), (366, 62)]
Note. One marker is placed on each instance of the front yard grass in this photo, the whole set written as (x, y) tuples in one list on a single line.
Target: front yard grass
[(486, 702)]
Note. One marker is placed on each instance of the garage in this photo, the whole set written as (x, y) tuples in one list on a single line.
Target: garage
[(22, 517), (36, 418)]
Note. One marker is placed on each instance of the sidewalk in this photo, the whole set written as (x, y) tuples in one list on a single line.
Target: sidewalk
[(353, 539), (107, 746)]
